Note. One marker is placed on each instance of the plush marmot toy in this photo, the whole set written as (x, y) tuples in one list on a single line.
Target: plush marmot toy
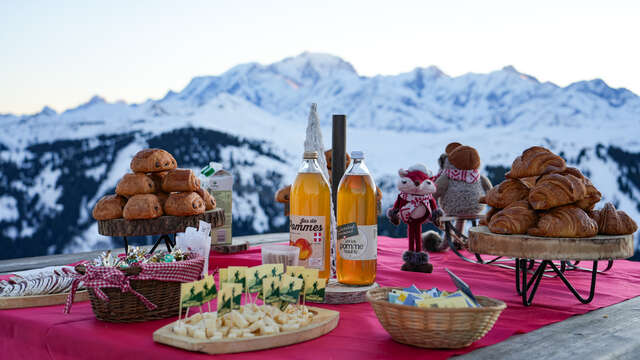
[(459, 187), (414, 206)]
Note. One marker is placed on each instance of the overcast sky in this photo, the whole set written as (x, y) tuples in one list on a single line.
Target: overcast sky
[(60, 53)]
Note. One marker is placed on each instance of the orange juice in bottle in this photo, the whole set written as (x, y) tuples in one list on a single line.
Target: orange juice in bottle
[(310, 216), (357, 245)]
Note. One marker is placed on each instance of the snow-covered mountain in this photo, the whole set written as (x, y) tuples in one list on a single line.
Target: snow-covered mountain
[(53, 167)]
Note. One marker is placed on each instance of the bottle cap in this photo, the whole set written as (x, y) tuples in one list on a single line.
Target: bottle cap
[(310, 155), (359, 155)]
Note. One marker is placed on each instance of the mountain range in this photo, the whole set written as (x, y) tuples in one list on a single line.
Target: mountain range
[(252, 118)]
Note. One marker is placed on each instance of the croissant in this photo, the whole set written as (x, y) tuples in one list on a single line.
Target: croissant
[(535, 161), (555, 190), (593, 195), (487, 217), (506, 192), (613, 222), (567, 221), (514, 219)]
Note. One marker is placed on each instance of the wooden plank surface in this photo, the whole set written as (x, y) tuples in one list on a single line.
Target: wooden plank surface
[(608, 333), (159, 226), (601, 247), (17, 302), (323, 322)]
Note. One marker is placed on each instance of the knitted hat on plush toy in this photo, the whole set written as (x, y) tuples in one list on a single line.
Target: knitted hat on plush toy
[(452, 146), (464, 157), (418, 173)]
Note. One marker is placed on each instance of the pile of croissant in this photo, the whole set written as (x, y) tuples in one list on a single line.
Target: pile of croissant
[(156, 187), (541, 196)]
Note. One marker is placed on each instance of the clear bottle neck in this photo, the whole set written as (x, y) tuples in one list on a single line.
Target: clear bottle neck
[(309, 166), (357, 167)]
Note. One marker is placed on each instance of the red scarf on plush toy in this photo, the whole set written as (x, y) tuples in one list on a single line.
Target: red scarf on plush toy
[(468, 176), (413, 201)]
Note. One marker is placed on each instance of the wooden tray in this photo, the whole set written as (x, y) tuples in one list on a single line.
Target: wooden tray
[(18, 302), (159, 226), (601, 247), (323, 322)]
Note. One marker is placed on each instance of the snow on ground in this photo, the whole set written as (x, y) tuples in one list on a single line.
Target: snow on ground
[(45, 188), (8, 209)]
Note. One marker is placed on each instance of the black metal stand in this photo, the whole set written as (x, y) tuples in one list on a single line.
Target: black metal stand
[(525, 289), (166, 238), (546, 268)]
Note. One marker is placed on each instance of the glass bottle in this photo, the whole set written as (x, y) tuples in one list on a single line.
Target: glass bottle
[(357, 245), (310, 216)]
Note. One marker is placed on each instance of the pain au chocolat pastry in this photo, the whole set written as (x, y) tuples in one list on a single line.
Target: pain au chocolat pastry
[(553, 190), (109, 207), (180, 180), (516, 218), (535, 161), (157, 178), (162, 197), (613, 222), (209, 201), (153, 160), (142, 207), (134, 184), (184, 204), (567, 221), (507, 192)]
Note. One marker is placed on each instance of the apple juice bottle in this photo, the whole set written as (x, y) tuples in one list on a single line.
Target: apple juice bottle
[(357, 243), (310, 216)]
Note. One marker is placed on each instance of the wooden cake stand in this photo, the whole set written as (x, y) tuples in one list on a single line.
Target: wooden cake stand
[(163, 226), (527, 249)]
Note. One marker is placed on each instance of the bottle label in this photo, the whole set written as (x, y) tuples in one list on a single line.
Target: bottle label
[(362, 245), (308, 233)]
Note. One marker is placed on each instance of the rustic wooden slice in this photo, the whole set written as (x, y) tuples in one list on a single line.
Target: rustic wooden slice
[(323, 322), (231, 248), (336, 293), (159, 226), (18, 302), (601, 247)]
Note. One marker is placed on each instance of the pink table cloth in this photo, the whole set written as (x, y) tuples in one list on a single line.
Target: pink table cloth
[(46, 333)]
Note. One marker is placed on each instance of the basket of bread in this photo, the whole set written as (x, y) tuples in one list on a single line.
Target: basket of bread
[(543, 197)]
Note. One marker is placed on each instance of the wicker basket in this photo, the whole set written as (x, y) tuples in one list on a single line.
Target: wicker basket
[(126, 307), (450, 328)]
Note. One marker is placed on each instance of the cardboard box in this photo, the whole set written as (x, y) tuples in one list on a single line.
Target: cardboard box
[(220, 185)]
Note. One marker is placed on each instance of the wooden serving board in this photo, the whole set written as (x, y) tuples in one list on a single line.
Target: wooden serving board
[(231, 248), (323, 322), (18, 302), (336, 293), (601, 247), (159, 226)]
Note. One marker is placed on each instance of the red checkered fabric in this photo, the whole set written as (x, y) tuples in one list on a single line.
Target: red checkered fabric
[(468, 176), (98, 277)]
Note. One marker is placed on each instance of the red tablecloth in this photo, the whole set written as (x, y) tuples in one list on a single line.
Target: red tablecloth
[(47, 333)]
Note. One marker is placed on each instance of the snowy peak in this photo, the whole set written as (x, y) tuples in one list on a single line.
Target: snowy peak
[(47, 111), (94, 101), (510, 69), (615, 97), (311, 67)]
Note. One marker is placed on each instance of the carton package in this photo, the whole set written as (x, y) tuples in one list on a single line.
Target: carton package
[(220, 185)]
